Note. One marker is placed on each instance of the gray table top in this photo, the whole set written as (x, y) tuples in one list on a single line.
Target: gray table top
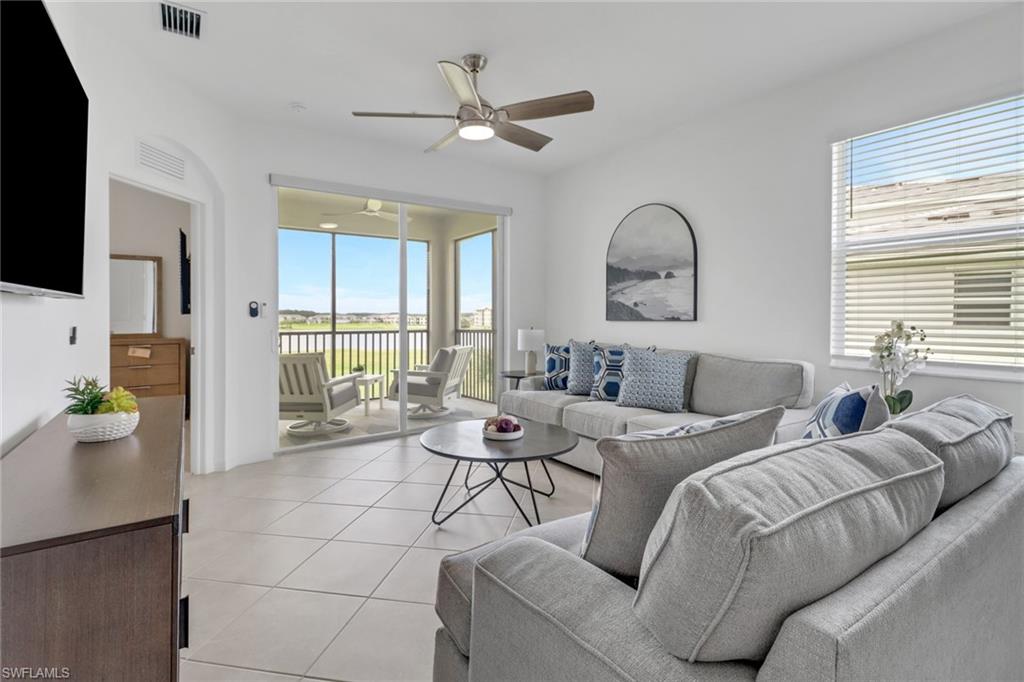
[(465, 441)]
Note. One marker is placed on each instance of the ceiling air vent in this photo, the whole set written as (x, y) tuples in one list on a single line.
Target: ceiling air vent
[(161, 161), (180, 19)]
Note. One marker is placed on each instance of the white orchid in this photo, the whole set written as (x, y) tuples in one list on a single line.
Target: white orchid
[(893, 356)]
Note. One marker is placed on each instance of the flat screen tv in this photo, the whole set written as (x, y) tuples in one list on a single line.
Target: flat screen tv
[(43, 133)]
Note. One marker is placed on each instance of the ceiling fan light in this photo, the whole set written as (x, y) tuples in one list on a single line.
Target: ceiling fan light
[(328, 226), (476, 130)]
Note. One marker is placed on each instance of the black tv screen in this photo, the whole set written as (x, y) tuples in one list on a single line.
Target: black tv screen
[(43, 133)]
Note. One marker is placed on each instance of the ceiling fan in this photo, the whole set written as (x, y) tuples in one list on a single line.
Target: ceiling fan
[(476, 119), (372, 208)]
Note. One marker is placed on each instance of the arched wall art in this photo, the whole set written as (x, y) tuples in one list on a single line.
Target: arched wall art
[(651, 270)]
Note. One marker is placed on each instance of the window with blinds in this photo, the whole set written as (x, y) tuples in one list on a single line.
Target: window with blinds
[(928, 228)]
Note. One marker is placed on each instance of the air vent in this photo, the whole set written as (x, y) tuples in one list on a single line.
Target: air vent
[(161, 161), (182, 20)]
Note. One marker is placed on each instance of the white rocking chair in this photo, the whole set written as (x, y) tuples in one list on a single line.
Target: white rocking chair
[(307, 394), (429, 385)]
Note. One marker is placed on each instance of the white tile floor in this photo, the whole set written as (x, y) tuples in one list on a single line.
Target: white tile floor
[(322, 565)]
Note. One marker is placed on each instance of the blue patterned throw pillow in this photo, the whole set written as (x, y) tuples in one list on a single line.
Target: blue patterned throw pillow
[(847, 410), (607, 378), (556, 367), (656, 381), (581, 363)]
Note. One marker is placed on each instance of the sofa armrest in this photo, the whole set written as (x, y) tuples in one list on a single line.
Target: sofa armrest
[(532, 383), (942, 606), (542, 613)]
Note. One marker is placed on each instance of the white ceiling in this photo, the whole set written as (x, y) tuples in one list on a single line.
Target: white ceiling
[(650, 66)]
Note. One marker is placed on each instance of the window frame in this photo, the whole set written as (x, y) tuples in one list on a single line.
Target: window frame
[(839, 248)]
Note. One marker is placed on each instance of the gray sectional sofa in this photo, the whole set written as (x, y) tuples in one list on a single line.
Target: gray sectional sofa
[(717, 386), (893, 554)]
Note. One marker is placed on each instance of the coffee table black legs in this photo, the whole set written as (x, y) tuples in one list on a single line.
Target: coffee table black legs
[(499, 476)]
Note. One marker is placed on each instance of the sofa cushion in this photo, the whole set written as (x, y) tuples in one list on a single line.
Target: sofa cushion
[(599, 418), (973, 439), (608, 362), (664, 420), (724, 385), (654, 380), (556, 367), (641, 469), (538, 406), (744, 543), (454, 601), (847, 410), (793, 424), (581, 367)]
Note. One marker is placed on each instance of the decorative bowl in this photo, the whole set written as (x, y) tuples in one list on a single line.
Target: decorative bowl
[(96, 428), (509, 435)]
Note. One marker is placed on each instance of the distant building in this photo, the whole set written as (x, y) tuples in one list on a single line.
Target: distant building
[(290, 317), (319, 318), (482, 318)]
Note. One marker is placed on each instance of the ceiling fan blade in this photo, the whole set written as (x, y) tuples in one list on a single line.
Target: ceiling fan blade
[(461, 83), (545, 107), (444, 141), (524, 137), (387, 114)]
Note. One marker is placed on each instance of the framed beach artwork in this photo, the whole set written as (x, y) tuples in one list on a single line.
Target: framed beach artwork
[(651, 269)]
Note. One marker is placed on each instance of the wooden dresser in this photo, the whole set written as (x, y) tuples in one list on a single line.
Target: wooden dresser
[(91, 551), (149, 365)]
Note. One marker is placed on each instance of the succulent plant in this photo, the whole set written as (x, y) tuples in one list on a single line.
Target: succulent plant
[(85, 395), (118, 400), (88, 396)]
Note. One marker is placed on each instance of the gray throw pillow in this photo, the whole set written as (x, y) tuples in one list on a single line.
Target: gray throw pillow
[(640, 470), (973, 439), (743, 544), (653, 380), (581, 367)]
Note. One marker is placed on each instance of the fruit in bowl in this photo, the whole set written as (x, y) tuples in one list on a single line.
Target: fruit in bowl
[(502, 427), (502, 424)]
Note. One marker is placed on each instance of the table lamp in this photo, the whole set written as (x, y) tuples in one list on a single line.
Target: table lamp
[(532, 341)]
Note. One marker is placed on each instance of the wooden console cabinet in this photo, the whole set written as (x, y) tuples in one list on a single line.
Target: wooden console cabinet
[(90, 565)]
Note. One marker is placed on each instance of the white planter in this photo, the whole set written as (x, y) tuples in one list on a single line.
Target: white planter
[(95, 428)]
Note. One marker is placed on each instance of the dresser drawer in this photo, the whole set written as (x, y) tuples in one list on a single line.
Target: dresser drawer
[(159, 354), (144, 375), (147, 391)]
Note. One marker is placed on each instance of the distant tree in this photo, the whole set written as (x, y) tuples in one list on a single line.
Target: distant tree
[(670, 275)]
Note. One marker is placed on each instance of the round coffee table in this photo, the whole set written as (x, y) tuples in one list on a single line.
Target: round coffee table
[(464, 442)]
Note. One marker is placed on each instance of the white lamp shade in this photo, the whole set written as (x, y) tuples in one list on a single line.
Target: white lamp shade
[(531, 339)]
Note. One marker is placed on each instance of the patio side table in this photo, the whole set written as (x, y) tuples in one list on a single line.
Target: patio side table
[(366, 382)]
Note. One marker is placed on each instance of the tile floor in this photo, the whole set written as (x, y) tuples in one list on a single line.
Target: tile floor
[(381, 420), (321, 565)]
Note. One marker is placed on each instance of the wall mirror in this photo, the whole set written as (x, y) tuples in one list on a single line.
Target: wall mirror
[(134, 295)]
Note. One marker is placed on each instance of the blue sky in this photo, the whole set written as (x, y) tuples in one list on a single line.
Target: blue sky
[(881, 158), (367, 273)]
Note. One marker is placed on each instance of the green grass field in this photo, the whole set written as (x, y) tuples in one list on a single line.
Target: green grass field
[(343, 327)]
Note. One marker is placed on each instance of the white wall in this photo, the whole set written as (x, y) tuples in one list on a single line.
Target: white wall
[(126, 102), (229, 162), (754, 182), (143, 223)]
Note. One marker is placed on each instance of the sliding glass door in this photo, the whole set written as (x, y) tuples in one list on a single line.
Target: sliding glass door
[(375, 293)]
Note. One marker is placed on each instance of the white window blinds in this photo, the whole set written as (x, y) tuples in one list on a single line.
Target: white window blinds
[(928, 227)]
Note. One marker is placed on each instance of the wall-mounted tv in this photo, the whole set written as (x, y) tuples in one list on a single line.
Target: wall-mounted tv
[(43, 133)]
